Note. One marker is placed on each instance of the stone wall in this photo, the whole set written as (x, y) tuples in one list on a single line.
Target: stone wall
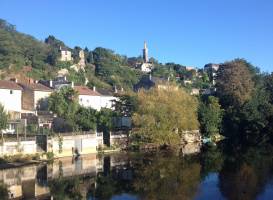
[(63, 146), (191, 137), (14, 148), (119, 139)]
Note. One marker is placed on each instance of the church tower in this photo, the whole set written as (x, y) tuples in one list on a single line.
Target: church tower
[(145, 53)]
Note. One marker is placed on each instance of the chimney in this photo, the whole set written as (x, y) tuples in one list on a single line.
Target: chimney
[(150, 77), (14, 80), (72, 84), (51, 83), (122, 89), (94, 88)]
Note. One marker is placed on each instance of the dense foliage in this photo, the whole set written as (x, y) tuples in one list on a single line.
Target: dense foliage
[(245, 94), (163, 114), (234, 83), (210, 116), (65, 104), (113, 69)]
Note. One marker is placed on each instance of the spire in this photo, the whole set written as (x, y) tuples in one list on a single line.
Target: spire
[(145, 53)]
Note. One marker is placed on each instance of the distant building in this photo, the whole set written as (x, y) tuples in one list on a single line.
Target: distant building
[(191, 69), (57, 83), (92, 99), (81, 63), (195, 91), (146, 66), (66, 54), (211, 70), (145, 53), (10, 97), (187, 82), (147, 82), (82, 59)]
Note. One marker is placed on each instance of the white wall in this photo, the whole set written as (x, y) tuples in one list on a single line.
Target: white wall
[(107, 101), (11, 102), (90, 101), (65, 56), (38, 95), (96, 102)]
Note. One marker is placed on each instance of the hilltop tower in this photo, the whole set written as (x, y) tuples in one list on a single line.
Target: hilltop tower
[(145, 53)]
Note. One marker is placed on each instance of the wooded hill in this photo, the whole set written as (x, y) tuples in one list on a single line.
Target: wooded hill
[(24, 55)]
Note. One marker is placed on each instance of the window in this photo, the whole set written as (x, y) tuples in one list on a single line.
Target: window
[(11, 92)]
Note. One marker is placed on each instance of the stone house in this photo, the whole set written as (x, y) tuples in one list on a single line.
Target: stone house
[(34, 96)]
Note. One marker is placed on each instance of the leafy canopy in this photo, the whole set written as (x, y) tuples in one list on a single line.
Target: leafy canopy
[(163, 114)]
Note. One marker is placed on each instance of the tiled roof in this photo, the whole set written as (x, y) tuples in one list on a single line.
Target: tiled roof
[(105, 92), (40, 87), (9, 85), (37, 87), (83, 90)]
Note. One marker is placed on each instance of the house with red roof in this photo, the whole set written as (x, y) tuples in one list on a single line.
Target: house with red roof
[(89, 98)]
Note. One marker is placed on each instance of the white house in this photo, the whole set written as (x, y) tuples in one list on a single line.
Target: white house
[(92, 99), (66, 54), (10, 96)]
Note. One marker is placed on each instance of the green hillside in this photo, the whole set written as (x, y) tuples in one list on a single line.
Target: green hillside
[(104, 68)]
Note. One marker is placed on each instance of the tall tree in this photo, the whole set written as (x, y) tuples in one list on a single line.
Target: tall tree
[(234, 83)]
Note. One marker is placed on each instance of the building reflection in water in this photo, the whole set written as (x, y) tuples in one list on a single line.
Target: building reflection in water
[(33, 181)]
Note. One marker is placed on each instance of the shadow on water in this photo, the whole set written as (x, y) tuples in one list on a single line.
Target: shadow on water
[(215, 173)]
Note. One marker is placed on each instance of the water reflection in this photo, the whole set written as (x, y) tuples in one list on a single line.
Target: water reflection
[(209, 175)]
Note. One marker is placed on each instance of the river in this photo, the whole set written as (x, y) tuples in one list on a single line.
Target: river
[(211, 174)]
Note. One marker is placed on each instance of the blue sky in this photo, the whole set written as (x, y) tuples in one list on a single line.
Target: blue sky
[(189, 32)]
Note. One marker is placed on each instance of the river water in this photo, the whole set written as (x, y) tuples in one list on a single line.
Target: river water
[(210, 175)]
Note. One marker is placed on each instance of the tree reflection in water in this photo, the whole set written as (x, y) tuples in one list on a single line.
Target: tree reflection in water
[(153, 176), (216, 172), (244, 176)]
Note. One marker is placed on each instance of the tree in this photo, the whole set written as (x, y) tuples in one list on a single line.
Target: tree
[(210, 116), (86, 119), (4, 192), (64, 103), (163, 114), (268, 85), (234, 83), (105, 119), (3, 119), (125, 105)]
